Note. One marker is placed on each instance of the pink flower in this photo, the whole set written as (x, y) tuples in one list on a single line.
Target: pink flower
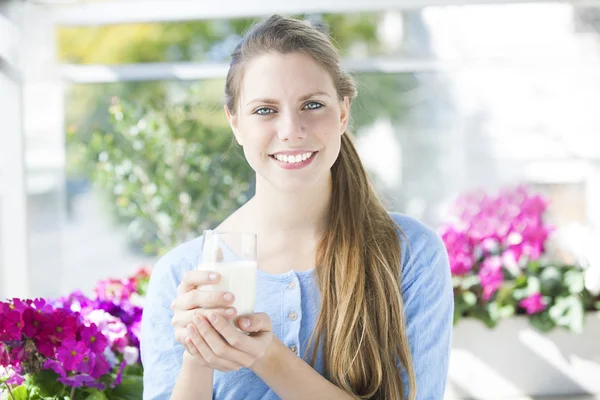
[(491, 276), (115, 290), (533, 304)]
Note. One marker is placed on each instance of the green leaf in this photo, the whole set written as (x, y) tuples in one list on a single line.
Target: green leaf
[(97, 395), (533, 267), (131, 388), (574, 280), (542, 322), (569, 313), (44, 384), (20, 393), (533, 284), (550, 279), (484, 316), (469, 298), (470, 281)]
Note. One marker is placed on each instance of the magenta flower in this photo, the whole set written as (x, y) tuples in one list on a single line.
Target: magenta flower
[(34, 322), (533, 304), (111, 327), (12, 325), (17, 354), (71, 353), (94, 339), (63, 326), (491, 276)]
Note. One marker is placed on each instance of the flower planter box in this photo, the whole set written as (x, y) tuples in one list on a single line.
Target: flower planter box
[(514, 360)]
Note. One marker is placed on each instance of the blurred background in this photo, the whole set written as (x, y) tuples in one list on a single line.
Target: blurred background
[(114, 147)]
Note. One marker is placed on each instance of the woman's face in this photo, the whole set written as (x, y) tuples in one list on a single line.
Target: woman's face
[(289, 120)]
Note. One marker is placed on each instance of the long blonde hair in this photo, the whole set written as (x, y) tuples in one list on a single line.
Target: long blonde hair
[(361, 324)]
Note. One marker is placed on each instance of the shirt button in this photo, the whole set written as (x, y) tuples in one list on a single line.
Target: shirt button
[(292, 285), (293, 316), (294, 349)]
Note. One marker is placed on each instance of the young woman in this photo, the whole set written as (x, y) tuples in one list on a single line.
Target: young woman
[(352, 301)]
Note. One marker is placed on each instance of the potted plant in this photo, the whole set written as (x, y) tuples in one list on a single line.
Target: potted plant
[(521, 317), (74, 347)]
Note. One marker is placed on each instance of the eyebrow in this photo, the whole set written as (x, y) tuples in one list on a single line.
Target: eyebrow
[(302, 98)]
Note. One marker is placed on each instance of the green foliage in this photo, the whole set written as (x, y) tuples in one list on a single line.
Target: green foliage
[(561, 286), (167, 173)]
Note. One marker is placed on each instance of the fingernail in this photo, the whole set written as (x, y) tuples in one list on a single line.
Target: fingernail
[(198, 321), (228, 296), (212, 276), (245, 322), (230, 311), (213, 317)]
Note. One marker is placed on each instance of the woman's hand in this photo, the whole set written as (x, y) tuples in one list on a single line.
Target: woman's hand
[(191, 300), (221, 346)]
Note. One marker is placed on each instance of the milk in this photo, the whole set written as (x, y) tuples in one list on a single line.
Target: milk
[(237, 277)]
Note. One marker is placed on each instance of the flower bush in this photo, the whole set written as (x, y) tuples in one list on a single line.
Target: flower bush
[(74, 347), (497, 246)]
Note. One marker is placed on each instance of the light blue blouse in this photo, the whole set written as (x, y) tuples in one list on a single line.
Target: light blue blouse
[(292, 301)]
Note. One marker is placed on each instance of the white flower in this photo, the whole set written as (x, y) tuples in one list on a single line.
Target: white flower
[(131, 354)]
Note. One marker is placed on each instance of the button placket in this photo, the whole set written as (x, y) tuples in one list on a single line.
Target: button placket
[(292, 314)]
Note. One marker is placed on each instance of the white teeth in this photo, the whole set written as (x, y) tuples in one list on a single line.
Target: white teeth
[(293, 159)]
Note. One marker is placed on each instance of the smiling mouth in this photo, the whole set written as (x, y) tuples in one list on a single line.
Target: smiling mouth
[(293, 159)]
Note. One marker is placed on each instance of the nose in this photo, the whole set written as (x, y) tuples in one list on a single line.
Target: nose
[(290, 127)]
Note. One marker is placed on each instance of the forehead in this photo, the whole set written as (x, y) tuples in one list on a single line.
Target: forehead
[(278, 75)]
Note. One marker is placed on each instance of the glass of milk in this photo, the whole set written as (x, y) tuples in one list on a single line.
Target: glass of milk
[(233, 255)]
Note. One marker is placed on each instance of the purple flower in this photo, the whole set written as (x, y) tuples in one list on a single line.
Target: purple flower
[(71, 353), (77, 380), (101, 366), (119, 377), (16, 380), (55, 366), (533, 304)]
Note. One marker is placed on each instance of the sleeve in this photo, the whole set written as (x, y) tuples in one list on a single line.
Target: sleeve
[(161, 354), (429, 309)]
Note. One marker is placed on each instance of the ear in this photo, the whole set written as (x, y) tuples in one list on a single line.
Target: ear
[(344, 114), (233, 123)]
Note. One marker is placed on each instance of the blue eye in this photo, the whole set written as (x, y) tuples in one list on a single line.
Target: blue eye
[(264, 111), (313, 105)]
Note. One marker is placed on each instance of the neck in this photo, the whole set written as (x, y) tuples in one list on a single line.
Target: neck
[(277, 212)]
